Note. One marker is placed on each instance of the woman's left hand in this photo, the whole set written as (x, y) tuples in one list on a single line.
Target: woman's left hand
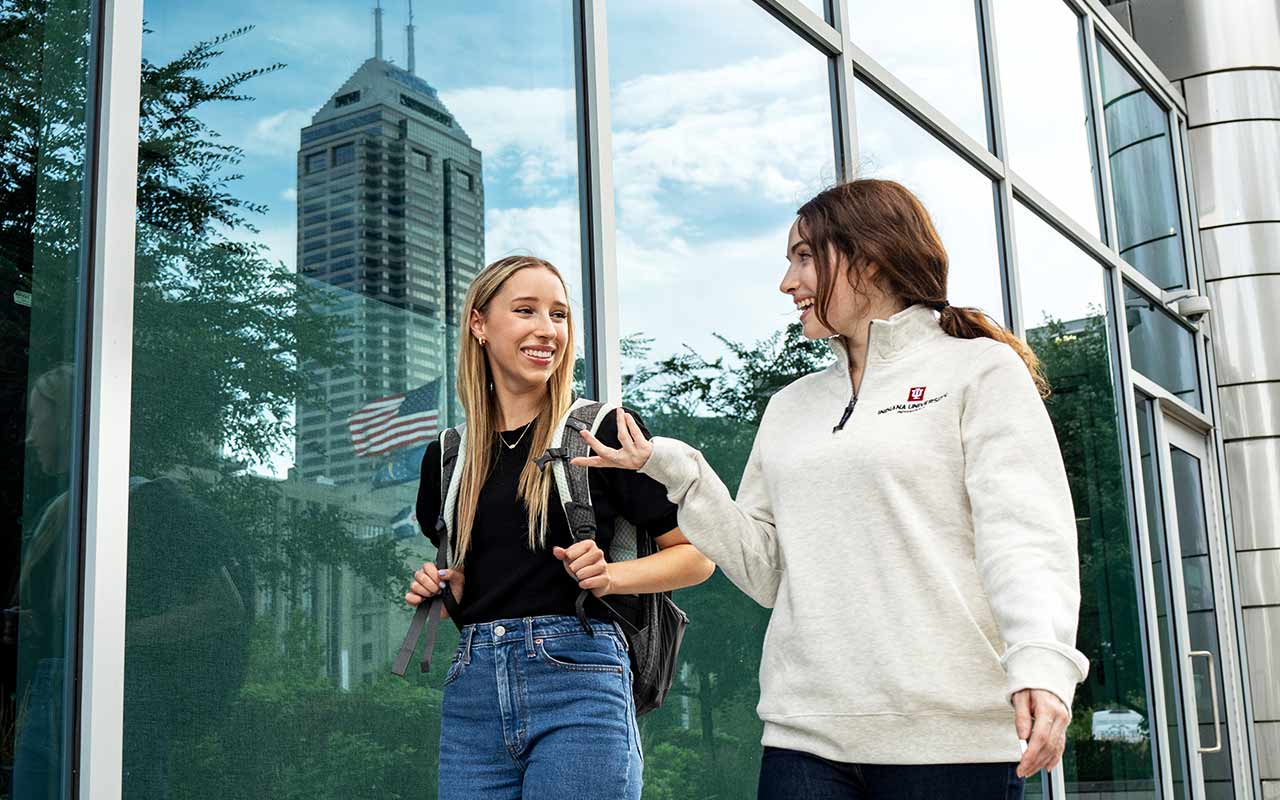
[(1042, 720), (633, 454), (585, 562)]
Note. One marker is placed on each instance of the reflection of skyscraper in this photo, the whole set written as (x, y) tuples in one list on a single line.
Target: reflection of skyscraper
[(391, 216)]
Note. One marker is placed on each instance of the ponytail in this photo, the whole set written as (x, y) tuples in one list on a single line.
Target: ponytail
[(973, 323)]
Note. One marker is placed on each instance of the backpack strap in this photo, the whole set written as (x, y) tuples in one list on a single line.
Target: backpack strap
[(573, 486), (452, 450)]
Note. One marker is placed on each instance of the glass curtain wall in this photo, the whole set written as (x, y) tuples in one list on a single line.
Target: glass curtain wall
[(1066, 308), (47, 59), (715, 145), (317, 187)]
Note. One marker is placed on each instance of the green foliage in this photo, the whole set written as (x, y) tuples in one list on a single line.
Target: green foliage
[(290, 734), (220, 330)]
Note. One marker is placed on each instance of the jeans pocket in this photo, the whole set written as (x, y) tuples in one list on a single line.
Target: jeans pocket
[(581, 653)]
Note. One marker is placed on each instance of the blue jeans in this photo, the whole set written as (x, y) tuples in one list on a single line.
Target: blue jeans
[(790, 774), (535, 708)]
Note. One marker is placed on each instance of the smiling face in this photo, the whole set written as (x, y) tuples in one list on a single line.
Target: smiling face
[(525, 329), (801, 283)]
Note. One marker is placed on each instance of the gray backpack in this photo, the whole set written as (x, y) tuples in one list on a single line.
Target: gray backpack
[(653, 641)]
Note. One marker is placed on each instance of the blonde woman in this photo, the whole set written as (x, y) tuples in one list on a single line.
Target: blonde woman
[(533, 705)]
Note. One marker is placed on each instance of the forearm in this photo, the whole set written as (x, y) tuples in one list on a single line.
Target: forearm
[(671, 568), (739, 536)]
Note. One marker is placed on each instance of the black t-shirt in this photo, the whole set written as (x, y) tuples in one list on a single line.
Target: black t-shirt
[(504, 578)]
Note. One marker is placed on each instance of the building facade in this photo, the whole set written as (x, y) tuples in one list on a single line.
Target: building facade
[(224, 251), (391, 224)]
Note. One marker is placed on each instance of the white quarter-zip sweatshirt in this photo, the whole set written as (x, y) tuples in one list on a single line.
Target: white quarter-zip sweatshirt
[(920, 560)]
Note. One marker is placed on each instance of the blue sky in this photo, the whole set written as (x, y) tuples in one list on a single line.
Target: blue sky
[(721, 128)]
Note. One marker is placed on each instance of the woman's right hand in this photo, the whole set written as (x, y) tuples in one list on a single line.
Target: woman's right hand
[(426, 585), (633, 454)]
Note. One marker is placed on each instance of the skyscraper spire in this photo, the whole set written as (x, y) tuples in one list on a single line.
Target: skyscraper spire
[(377, 30), (409, 31)]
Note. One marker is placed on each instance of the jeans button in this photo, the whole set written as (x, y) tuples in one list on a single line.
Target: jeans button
[(499, 631)]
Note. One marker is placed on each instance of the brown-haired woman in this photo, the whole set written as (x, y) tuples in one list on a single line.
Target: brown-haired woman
[(906, 514)]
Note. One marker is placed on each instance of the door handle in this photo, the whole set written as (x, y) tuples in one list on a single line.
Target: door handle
[(1213, 689)]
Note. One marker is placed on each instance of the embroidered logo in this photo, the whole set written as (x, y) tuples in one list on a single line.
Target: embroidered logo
[(915, 401)]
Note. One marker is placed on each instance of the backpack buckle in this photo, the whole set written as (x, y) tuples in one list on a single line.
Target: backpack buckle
[(552, 454), (585, 526)]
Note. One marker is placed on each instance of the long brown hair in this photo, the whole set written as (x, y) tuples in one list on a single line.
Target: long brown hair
[(880, 222), (480, 405)]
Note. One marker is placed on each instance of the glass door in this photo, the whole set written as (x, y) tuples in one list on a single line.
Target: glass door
[(1190, 503), (1186, 571)]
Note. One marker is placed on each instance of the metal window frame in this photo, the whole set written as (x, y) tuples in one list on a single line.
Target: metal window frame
[(107, 417)]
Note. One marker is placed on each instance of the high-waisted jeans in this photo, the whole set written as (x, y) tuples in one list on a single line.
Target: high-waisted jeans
[(535, 708)]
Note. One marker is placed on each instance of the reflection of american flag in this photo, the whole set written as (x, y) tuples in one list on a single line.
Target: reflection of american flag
[(397, 421)]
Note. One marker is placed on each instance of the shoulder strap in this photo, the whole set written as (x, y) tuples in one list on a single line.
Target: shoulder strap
[(571, 481), (452, 451), (453, 454)]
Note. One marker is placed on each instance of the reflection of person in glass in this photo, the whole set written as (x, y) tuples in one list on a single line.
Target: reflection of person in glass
[(533, 704), (906, 514), (39, 609), (188, 626)]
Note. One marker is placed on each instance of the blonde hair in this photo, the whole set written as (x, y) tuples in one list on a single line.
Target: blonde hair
[(480, 405)]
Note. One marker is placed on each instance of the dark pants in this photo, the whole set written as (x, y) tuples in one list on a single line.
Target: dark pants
[(788, 774)]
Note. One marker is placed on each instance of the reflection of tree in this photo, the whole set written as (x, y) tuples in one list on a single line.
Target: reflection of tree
[(715, 406), (219, 328), (1077, 362)]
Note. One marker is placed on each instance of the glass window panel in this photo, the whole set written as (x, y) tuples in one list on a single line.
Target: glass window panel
[(1160, 348), (249, 364), (1046, 105), (716, 142), (48, 51), (1064, 301), (933, 48), (959, 199), (1140, 152), (1169, 661)]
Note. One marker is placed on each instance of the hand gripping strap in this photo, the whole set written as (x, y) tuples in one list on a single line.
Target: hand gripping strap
[(452, 450)]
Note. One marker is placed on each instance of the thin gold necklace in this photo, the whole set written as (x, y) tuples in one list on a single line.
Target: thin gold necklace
[(519, 438)]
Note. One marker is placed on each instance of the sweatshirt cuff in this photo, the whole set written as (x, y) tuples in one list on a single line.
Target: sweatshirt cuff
[(1050, 666), (670, 464)]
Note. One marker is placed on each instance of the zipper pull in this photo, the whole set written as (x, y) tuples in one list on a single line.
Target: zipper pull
[(848, 412)]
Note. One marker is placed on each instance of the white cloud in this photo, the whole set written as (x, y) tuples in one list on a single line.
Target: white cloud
[(532, 131), (548, 232), (276, 134), (289, 195), (281, 242), (680, 293)]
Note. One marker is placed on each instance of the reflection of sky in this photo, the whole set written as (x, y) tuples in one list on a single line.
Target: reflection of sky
[(721, 128), (1046, 118), (939, 60), (711, 160), (1058, 279), (959, 198)]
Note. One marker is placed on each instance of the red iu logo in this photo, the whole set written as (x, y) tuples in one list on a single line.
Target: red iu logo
[(916, 394)]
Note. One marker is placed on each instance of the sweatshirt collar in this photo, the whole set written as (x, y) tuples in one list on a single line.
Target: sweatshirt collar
[(895, 336)]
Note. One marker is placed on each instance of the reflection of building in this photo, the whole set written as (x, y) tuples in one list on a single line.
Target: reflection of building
[(358, 631), (390, 214)]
